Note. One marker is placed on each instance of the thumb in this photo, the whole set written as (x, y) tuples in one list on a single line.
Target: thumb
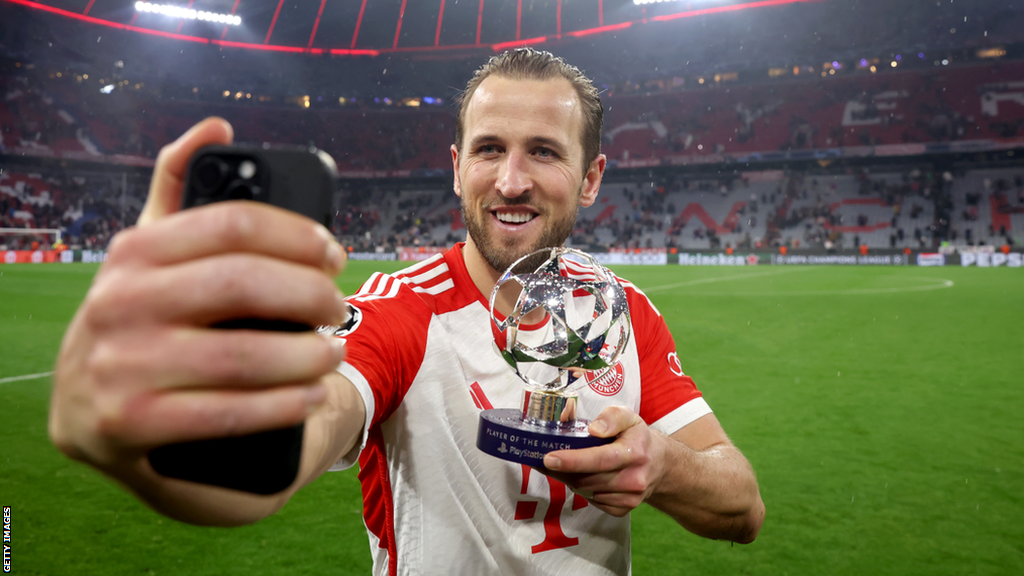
[(612, 421), (169, 175)]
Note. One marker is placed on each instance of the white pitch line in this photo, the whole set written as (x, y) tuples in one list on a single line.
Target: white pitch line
[(850, 292), (724, 279), (25, 377)]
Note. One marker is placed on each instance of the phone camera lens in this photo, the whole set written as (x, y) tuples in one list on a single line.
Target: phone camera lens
[(210, 173), (240, 190)]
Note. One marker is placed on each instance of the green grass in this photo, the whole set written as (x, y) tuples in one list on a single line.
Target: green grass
[(879, 406)]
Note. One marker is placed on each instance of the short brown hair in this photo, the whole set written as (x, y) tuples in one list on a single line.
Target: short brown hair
[(531, 64)]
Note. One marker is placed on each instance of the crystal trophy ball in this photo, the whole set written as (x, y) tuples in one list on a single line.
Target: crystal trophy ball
[(570, 317)]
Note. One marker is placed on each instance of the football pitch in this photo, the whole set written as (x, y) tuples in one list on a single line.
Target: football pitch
[(882, 409)]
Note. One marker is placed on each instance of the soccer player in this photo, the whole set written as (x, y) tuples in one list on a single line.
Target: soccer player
[(399, 387)]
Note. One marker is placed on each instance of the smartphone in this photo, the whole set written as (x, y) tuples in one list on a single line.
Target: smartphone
[(302, 180)]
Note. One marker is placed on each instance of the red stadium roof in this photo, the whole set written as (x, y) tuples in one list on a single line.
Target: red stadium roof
[(372, 27)]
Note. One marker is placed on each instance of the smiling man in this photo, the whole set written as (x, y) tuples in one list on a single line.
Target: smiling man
[(400, 387), (521, 168)]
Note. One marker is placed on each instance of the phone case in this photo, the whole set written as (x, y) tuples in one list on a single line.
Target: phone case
[(299, 179)]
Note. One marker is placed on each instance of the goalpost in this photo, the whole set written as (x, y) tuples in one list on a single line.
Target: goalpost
[(56, 232)]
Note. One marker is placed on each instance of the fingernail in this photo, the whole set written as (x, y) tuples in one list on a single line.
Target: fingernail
[(552, 462), (335, 256), (315, 397), (339, 348), (598, 427), (346, 310)]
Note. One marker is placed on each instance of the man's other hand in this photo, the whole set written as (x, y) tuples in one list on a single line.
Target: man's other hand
[(616, 477)]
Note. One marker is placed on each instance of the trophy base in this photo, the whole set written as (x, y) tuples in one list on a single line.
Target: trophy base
[(504, 434)]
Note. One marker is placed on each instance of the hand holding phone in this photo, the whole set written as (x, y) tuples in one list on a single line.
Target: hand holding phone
[(302, 180), (142, 367)]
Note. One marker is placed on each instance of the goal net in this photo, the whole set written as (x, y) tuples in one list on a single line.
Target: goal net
[(22, 238)]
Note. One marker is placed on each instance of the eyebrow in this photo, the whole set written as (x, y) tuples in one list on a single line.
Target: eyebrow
[(549, 142), (535, 140), (483, 139)]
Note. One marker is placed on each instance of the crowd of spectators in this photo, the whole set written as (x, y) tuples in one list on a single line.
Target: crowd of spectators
[(915, 207), (660, 118), (88, 208), (897, 108), (29, 119), (67, 116)]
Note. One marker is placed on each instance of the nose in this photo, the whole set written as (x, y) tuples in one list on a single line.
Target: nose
[(514, 177)]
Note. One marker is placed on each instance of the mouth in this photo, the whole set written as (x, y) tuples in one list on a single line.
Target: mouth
[(514, 215)]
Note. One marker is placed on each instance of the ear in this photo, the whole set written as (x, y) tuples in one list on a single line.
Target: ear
[(592, 181), (455, 167)]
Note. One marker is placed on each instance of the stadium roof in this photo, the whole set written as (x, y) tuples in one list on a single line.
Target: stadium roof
[(372, 27)]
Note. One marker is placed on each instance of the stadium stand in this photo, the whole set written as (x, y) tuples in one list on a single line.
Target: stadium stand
[(720, 149), (895, 112), (988, 207), (89, 207), (868, 110), (816, 210)]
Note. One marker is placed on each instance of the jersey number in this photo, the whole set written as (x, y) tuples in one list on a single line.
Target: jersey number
[(554, 536)]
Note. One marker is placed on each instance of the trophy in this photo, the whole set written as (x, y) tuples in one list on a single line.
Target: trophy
[(571, 317)]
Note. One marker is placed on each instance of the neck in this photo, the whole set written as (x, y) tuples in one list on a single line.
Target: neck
[(485, 277)]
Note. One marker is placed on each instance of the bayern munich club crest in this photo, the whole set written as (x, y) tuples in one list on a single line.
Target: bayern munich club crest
[(609, 383)]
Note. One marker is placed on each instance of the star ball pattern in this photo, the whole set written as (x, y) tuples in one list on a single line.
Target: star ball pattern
[(578, 319)]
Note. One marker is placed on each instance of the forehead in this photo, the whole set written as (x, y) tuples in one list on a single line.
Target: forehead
[(510, 108)]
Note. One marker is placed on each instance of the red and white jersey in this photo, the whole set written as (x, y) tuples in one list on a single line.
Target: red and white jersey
[(420, 352)]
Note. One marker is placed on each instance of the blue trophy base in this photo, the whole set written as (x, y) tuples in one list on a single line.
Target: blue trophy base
[(504, 434)]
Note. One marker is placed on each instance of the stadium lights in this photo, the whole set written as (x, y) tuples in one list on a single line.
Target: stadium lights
[(641, 2), (179, 12)]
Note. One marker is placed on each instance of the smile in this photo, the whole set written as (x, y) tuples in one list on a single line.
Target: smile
[(518, 217)]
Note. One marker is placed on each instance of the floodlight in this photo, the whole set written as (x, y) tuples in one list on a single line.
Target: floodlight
[(179, 12)]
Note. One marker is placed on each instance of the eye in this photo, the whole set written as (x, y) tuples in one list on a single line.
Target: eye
[(546, 153), (487, 150)]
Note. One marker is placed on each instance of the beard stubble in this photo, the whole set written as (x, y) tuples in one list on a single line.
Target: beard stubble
[(501, 253)]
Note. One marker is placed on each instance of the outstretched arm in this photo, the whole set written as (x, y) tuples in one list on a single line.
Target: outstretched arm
[(140, 366), (697, 475)]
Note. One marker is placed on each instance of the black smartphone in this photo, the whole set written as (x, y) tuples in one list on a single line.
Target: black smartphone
[(302, 180)]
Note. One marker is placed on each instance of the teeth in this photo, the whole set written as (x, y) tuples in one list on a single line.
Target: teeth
[(514, 217)]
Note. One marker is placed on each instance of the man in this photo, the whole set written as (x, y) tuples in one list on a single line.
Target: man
[(417, 361)]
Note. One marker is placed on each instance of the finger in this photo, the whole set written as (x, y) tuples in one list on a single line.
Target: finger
[(607, 458), (215, 358), (617, 511), (599, 486), (157, 419), (203, 292), (611, 501), (616, 505), (236, 226), (169, 174), (607, 491)]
